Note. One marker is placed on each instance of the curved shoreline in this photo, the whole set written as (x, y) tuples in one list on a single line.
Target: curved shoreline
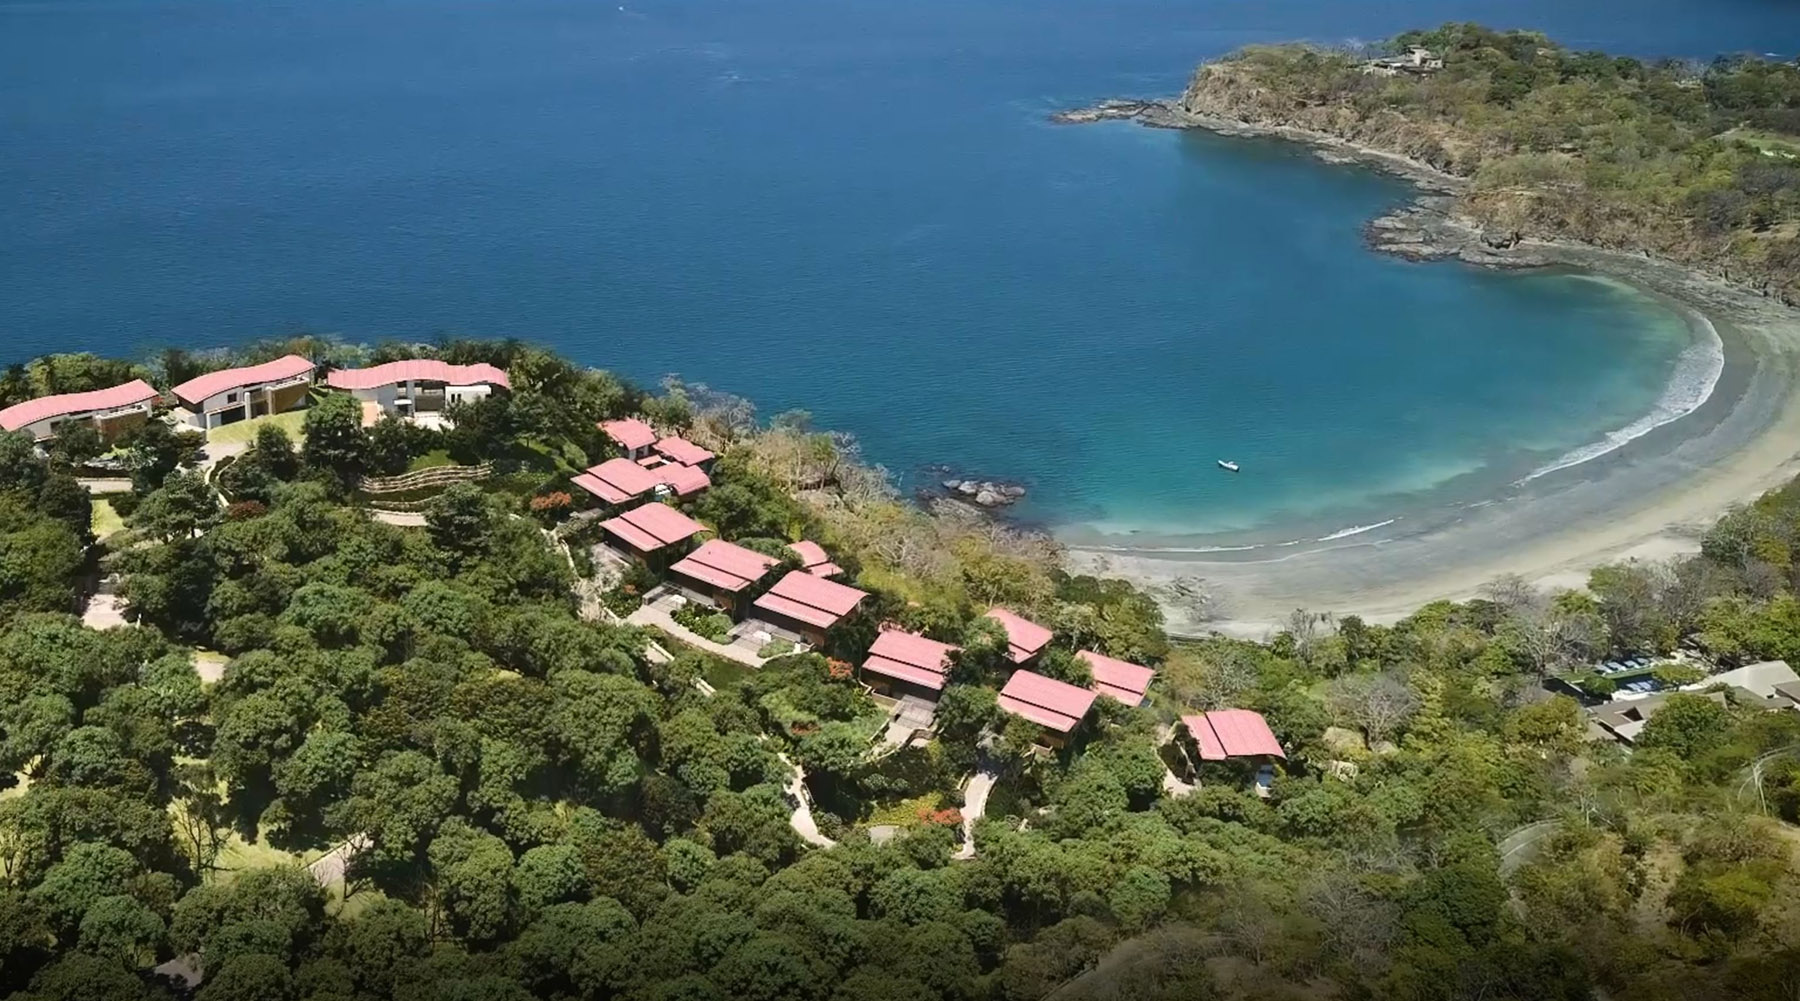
[(1647, 490)]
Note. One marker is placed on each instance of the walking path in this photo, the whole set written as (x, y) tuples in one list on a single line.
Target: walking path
[(975, 797), (405, 519), (656, 618), (802, 820), (98, 485)]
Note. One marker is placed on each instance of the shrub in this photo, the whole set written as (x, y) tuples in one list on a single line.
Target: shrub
[(621, 601), (775, 648), (704, 621)]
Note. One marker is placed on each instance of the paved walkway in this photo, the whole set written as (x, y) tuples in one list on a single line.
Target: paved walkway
[(405, 519), (104, 611), (98, 485), (329, 868), (656, 618), (975, 797), (802, 820)]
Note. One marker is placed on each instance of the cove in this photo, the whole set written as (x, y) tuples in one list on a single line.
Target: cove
[(853, 208)]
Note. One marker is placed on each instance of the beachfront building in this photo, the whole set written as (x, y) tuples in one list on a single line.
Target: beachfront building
[(1122, 680), (814, 559), (631, 435), (235, 394), (808, 605), (675, 448), (1025, 639), (653, 533), (1057, 706), (419, 385), (1236, 737), (722, 573), (112, 411), (617, 481), (902, 663)]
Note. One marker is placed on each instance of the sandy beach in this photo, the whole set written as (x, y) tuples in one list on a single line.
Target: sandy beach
[(1651, 499)]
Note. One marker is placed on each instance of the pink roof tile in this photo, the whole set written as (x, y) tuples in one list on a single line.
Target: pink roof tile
[(417, 370), (830, 600), (63, 405), (623, 479), (906, 672), (679, 449), (196, 390), (825, 570), (1025, 639), (911, 648), (810, 553), (723, 564), (797, 610), (1045, 701), (652, 526), (1120, 679), (684, 480), (629, 432), (1232, 733)]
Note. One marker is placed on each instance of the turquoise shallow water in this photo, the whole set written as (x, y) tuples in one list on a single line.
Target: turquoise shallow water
[(853, 207)]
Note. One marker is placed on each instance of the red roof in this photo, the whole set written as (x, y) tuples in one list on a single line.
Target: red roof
[(1024, 639), (910, 657), (112, 398), (810, 599), (684, 480), (1056, 705), (616, 481), (629, 432), (725, 565), (197, 389), (679, 449), (1120, 679), (1232, 733), (814, 559), (652, 526), (417, 370)]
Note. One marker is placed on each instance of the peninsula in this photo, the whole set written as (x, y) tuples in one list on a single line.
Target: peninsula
[(1681, 180)]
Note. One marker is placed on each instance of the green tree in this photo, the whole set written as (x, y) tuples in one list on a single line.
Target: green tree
[(335, 444)]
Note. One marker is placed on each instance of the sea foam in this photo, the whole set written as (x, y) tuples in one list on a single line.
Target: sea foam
[(1697, 372)]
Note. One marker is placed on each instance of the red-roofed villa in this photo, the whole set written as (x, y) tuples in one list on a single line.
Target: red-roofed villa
[(685, 480), (112, 411), (1120, 679), (1057, 706), (814, 560), (652, 533), (808, 605), (419, 385), (617, 481), (1025, 639), (234, 394), (722, 572), (1234, 735), (678, 449), (630, 434), (903, 663)]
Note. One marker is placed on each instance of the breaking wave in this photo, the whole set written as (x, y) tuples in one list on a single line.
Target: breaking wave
[(1697, 371)]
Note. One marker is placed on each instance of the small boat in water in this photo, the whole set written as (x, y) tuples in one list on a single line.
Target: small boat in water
[(1228, 465)]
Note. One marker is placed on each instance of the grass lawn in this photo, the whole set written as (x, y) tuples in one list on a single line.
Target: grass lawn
[(105, 521), (1769, 143), (245, 431), (209, 665), (430, 460), (239, 855)]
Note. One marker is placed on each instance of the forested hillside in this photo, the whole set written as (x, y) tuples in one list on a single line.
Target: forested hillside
[(1700, 164), (529, 801)]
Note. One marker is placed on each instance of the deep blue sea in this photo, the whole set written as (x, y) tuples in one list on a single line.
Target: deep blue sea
[(852, 207)]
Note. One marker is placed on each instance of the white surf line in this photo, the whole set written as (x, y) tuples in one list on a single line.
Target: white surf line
[(1697, 372), (1355, 530)]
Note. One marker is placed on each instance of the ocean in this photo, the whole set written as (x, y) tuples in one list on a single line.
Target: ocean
[(850, 207)]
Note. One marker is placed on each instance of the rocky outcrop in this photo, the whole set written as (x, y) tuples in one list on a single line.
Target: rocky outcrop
[(986, 493)]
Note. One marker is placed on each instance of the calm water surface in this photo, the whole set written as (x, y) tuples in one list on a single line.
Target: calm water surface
[(852, 207)]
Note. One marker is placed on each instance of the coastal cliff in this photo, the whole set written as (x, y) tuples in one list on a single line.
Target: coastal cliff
[(1521, 140)]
